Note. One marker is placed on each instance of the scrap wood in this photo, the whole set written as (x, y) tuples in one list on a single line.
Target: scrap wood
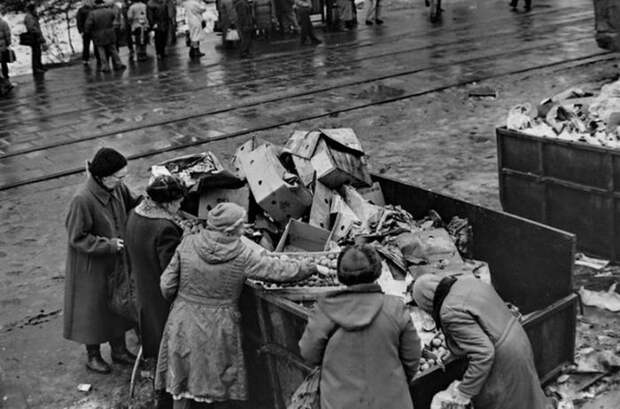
[(608, 300), (594, 263)]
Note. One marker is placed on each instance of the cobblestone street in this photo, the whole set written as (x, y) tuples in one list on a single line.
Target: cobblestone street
[(403, 87)]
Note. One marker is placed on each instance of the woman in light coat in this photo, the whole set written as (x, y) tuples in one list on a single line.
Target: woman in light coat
[(364, 340), (201, 358), (477, 324), (193, 13)]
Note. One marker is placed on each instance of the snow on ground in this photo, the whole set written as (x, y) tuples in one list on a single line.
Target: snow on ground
[(65, 43)]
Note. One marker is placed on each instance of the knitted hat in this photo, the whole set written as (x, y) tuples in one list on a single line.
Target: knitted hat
[(166, 188), (423, 291), (106, 162), (358, 264), (225, 217)]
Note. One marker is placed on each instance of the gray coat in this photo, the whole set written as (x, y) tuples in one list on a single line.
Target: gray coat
[(367, 347), (200, 354), (95, 216), (478, 325)]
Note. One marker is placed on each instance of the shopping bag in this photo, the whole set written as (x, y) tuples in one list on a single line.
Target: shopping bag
[(306, 396), (121, 298), (232, 35), (8, 56), (30, 39)]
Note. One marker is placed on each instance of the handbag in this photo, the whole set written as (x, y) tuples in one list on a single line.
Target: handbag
[(232, 35), (120, 296), (8, 56), (307, 394), (29, 38)]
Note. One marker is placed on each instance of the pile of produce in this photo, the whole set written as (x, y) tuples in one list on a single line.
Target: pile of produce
[(434, 354), (573, 115), (326, 263)]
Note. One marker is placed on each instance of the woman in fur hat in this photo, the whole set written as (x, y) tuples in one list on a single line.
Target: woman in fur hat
[(364, 340), (200, 358), (96, 227)]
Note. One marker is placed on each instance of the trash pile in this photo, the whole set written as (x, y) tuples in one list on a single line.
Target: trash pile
[(315, 194), (312, 196), (573, 115)]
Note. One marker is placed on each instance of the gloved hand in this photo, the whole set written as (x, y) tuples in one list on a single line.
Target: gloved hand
[(459, 397)]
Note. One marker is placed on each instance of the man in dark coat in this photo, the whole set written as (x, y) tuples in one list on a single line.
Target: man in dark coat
[(31, 22), (100, 27), (364, 340), (245, 25), (81, 16), (500, 373), (96, 227), (157, 13)]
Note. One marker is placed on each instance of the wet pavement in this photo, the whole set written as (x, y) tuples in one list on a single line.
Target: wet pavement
[(403, 87)]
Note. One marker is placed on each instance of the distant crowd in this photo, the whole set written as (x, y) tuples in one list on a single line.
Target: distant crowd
[(111, 24)]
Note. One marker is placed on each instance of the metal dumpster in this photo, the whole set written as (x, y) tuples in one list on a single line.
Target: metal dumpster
[(569, 185), (607, 24), (531, 266)]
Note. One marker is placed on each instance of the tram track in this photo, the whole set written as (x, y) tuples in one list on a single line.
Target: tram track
[(278, 97), (563, 64)]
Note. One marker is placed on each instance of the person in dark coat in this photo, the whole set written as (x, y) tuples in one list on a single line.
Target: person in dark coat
[(157, 13), (152, 236), (81, 16), (245, 25), (304, 8), (96, 227), (31, 21), (5, 44), (526, 7), (201, 356), (478, 325), (364, 340), (100, 27)]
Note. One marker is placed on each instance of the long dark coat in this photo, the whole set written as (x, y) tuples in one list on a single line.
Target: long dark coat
[(367, 347), (95, 216), (100, 25), (150, 244), (157, 14), (501, 373)]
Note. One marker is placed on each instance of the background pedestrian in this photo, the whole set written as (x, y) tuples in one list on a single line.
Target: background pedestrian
[(193, 15), (100, 26), (96, 227), (31, 21), (139, 26), (304, 8), (373, 10), (81, 16), (245, 26), (157, 13), (5, 43), (527, 6)]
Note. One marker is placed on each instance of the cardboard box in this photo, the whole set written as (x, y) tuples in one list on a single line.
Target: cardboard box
[(245, 148), (335, 168), (212, 197), (281, 199), (373, 194), (345, 219), (305, 143), (321, 206), (304, 168), (363, 209), (299, 237)]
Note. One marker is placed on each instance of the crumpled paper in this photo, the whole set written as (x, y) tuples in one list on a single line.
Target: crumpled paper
[(607, 300)]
